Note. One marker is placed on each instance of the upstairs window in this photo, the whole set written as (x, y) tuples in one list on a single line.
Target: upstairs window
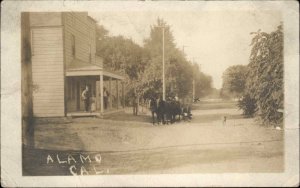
[(73, 46), (90, 53)]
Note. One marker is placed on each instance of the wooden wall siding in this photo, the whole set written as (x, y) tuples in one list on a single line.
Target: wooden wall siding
[(47, 72), (99, 61), (26, 66), (78, 25), (45, 19), (27, 128)]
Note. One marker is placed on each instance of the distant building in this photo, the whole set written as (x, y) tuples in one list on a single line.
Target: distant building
[(62, 62)]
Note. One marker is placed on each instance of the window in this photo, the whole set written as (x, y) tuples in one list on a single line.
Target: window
[(73, 46), (90, 53)]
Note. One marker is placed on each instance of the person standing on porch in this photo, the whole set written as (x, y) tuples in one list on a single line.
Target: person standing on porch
[(86, 98), (105, 97)]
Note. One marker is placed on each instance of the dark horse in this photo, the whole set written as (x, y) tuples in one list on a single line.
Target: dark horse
[(153, 109), (161, 110), (173, 108), (168, 110)]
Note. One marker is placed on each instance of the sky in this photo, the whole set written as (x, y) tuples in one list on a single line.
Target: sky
[(213, 39)]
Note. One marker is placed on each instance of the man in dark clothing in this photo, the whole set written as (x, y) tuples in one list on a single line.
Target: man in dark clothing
[(105, 98), (161, 111)]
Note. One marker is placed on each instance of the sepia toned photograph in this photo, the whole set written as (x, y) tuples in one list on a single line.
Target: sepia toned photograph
[(98, 102), (152, 92)]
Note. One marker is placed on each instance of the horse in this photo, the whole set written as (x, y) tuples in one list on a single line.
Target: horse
[(153, 109), (172, 109), (167, 111), (161, 105)]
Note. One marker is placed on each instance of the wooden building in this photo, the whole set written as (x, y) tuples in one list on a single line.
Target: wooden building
[(64, 62)]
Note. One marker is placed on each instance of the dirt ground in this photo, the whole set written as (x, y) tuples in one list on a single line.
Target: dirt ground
[(130, 144)]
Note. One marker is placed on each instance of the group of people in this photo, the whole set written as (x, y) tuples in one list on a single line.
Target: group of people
[(167, 111), (90, 101), (162, 111)]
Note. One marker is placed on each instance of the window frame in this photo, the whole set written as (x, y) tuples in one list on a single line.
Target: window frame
[(73, 45)]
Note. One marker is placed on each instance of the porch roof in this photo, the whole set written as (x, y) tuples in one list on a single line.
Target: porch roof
[(80, 68)]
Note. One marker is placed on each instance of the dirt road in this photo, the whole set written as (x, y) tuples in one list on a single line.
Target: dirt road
[(125, 144)]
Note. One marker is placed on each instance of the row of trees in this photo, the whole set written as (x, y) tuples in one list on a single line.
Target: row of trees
[(142, 65), (259, 85)]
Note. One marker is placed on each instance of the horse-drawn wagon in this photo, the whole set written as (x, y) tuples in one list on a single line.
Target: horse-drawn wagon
[(169, 111)]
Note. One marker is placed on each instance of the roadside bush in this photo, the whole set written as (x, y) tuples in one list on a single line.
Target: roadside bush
[(248, 105)]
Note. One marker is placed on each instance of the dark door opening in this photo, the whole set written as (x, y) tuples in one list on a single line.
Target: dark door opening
[(78, 95)]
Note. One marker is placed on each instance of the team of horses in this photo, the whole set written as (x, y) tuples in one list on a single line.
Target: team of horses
[(169, 111)]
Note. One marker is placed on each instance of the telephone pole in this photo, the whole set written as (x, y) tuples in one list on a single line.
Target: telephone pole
[(193, 89), (163, 60)]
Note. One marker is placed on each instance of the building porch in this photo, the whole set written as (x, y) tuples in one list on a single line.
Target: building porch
[(106, 91)]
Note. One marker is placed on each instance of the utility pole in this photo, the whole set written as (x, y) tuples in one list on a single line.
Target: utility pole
[(163, 60), (193, 94), (193, 89)]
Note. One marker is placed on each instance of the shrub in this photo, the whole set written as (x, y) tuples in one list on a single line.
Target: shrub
[(248, 105)]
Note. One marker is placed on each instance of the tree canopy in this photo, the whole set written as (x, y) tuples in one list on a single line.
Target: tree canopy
[(263, 89), (203, 82), (179, 72), (234, 80), (142, 65)]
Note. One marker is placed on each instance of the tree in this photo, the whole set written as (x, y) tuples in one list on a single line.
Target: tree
[(203, 82), (101, 32), (124, 56), (178, 70), (265, 75), (248, 104), (179, 80), (142, 65), (234, 80), (153, 45)]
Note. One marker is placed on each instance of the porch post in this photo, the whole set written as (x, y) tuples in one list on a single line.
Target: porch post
[(117, 87), (110, 96), (123, 97), (101, 94)]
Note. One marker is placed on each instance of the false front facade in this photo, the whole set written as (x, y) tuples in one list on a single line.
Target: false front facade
[(64, 62)]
